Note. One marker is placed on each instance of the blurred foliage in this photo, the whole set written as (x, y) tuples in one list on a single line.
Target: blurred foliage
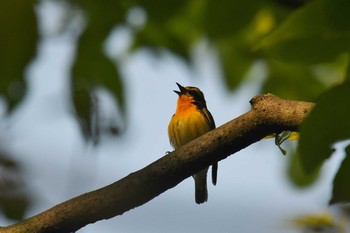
[(285, 78), (18, 41), (317, 32), (13, 200), (296, 173), (296, 40), (289, 36), (92, 67), (327, 124), (325, 223), (324, 126), (341, 184)]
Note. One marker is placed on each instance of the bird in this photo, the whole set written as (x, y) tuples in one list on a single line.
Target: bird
[(191, 120)]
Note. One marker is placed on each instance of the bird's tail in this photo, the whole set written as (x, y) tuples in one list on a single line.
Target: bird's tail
[(201, 191), (214, 173)]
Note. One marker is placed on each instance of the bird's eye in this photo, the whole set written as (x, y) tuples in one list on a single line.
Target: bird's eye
[(192, 92)]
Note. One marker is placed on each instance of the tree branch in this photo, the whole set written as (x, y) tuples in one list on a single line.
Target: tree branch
[(269, 114)]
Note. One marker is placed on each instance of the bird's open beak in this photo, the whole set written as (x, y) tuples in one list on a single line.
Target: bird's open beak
[(182, 89)]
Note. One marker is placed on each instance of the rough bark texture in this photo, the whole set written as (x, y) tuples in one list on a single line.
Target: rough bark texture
[(269, 114)]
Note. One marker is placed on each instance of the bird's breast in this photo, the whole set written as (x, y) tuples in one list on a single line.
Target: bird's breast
[(186, 127)]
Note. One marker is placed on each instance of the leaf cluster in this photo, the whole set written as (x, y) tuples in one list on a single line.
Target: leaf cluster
[(292, 38)]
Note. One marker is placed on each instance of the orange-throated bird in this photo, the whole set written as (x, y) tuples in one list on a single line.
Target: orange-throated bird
[(191, 120)]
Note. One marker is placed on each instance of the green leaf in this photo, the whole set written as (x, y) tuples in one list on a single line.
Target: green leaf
[(327, 123), (14, 200), (292, 81), (317, 32), (162, 10), (13, 206), (347, 74), (92, 71), (177, 30), (236, 60), (18, 29), (83, 103), (341, 183), (237, 46), (297, 175), (157, 35), (92, 68), (224, 18)]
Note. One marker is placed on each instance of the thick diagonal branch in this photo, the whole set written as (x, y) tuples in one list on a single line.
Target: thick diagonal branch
[(269, 114)]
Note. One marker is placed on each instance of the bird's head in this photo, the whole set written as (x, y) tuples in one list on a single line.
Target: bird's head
[(191, 92)]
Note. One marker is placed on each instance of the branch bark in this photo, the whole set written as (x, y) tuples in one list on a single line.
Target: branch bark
[(269, 114)]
